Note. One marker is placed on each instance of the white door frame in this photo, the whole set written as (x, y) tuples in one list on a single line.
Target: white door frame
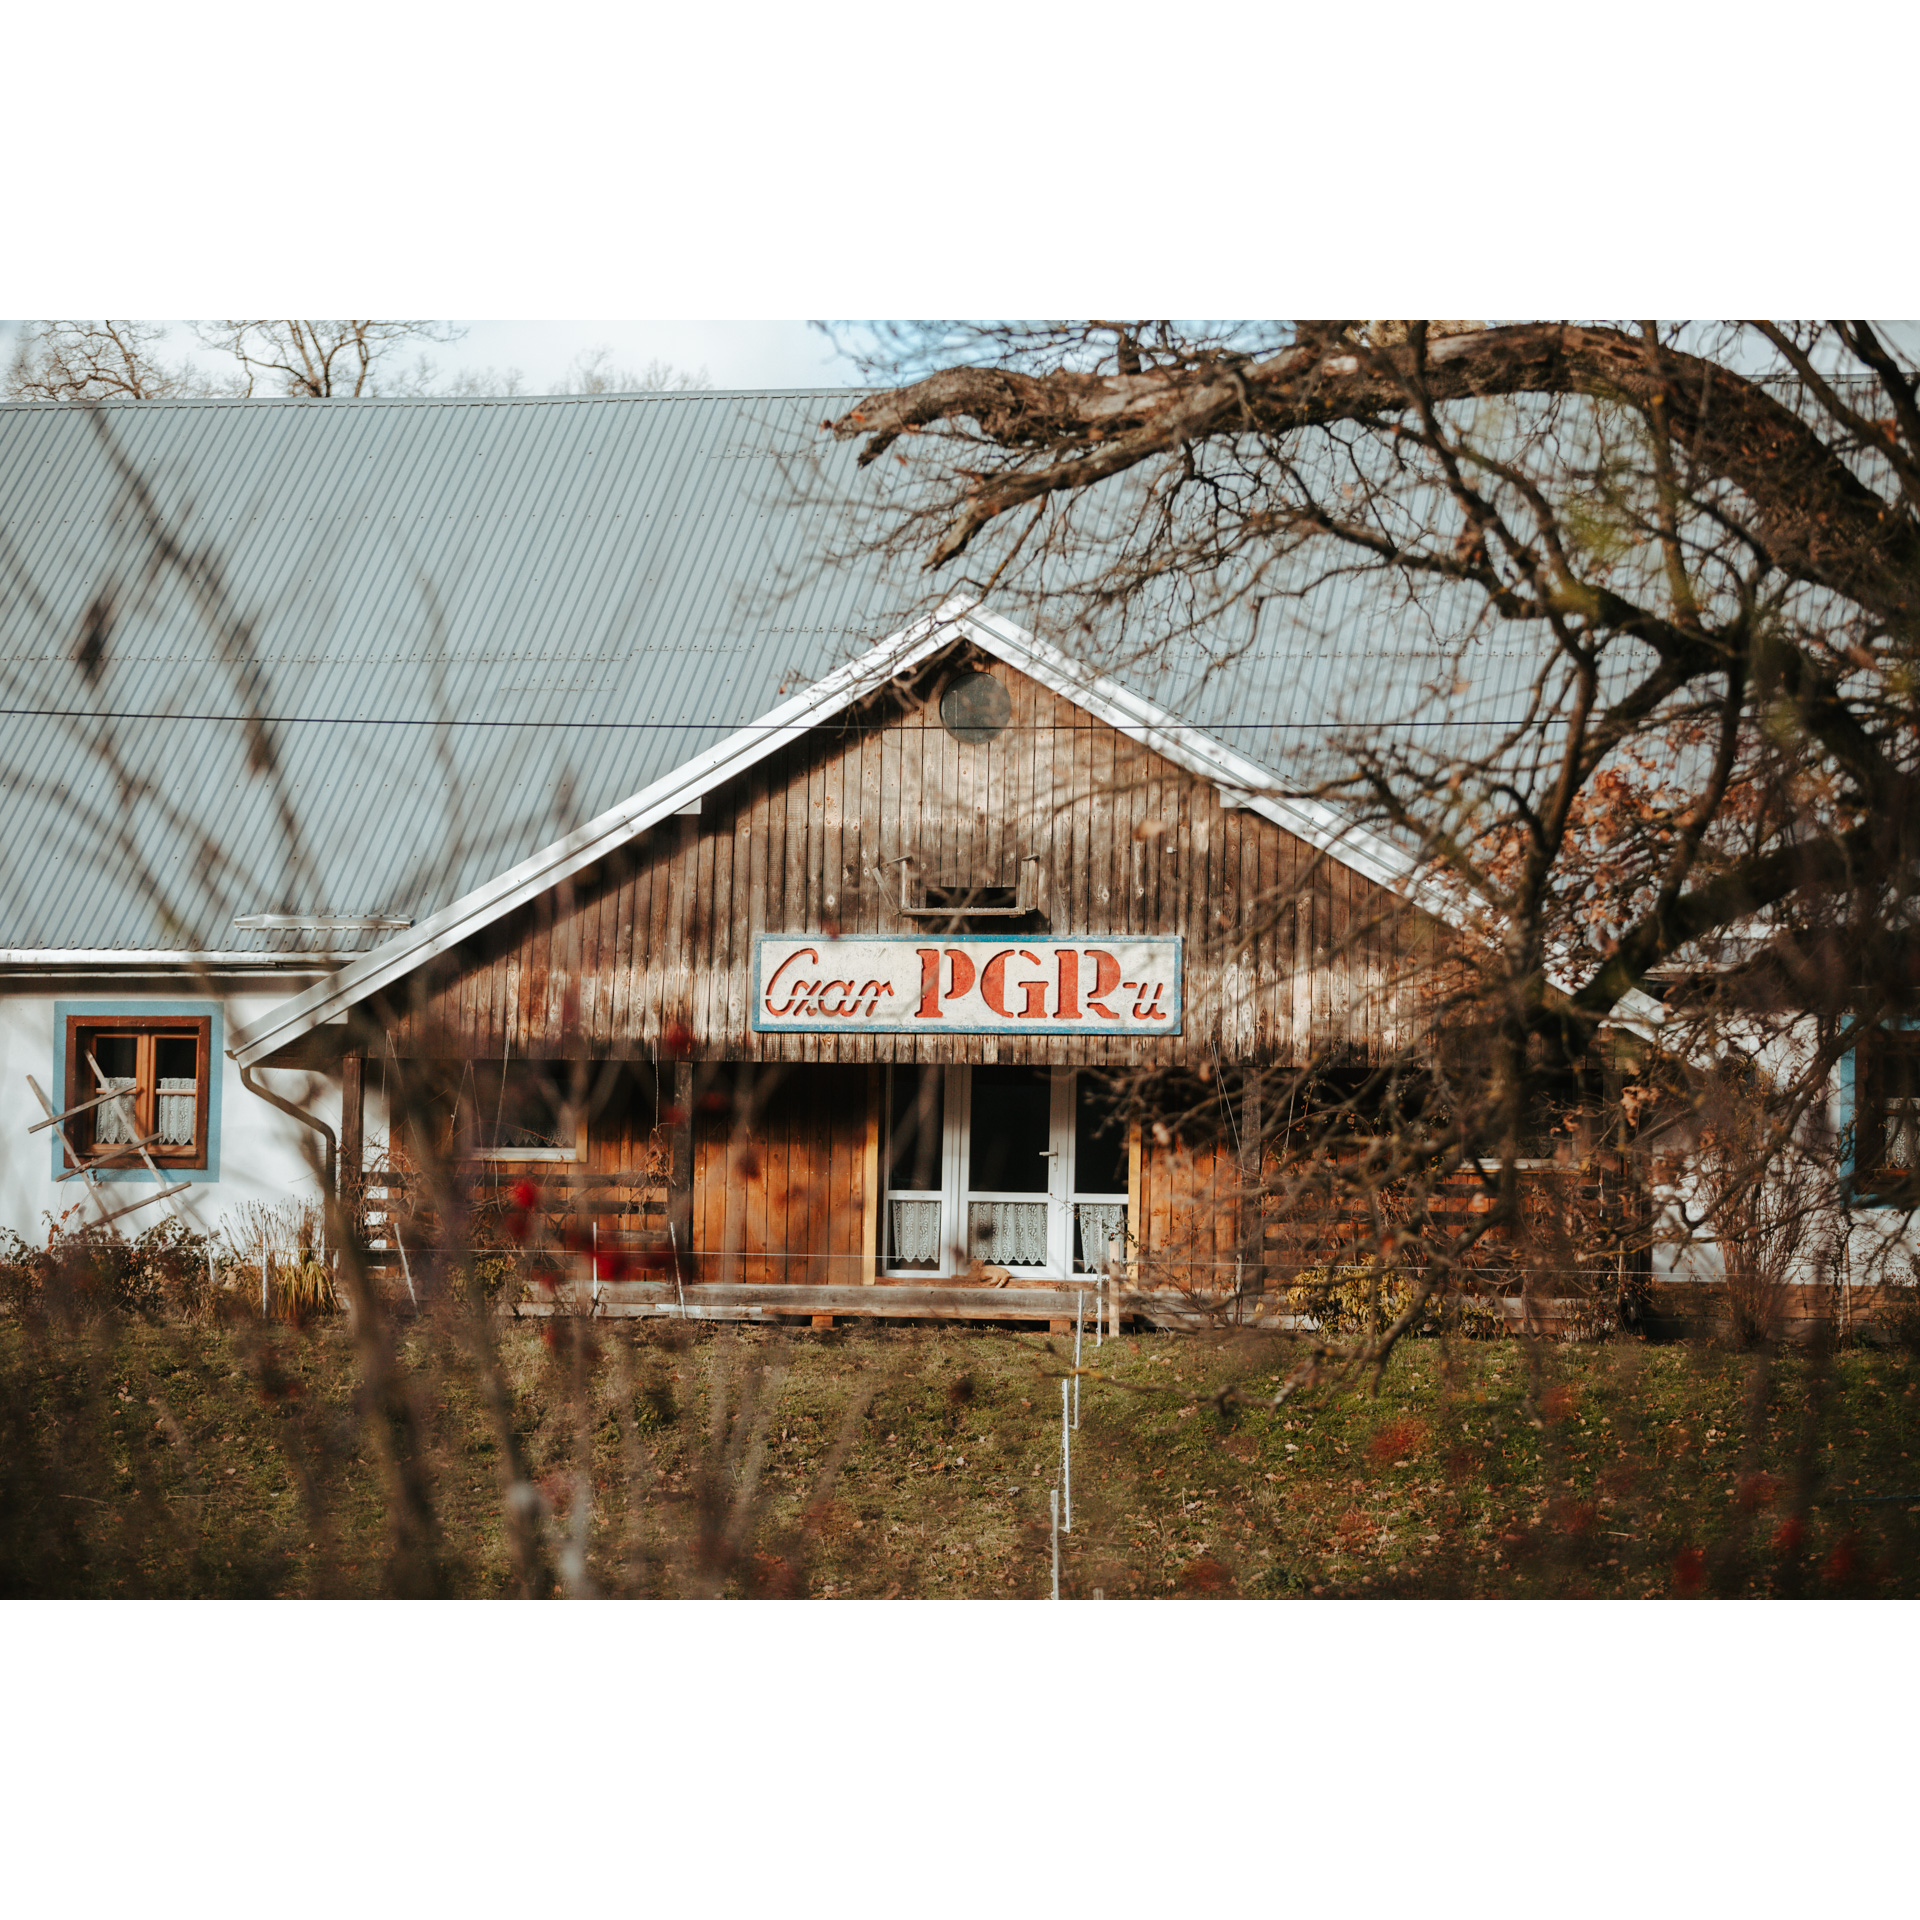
[(955, 1151)]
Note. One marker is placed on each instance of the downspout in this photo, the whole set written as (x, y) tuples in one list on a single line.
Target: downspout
[(306, 1120)]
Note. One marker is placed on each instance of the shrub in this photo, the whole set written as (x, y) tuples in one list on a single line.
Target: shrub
[(85, 1272), (1896, 1316), (1349, 1302), (288, 1240)]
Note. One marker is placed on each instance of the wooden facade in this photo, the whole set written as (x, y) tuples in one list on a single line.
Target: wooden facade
[(1287, 950), (647, 958)]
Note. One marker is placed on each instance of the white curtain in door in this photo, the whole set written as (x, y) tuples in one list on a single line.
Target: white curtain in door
[(1008, 1233), (916, 1232), (1098, 1220)]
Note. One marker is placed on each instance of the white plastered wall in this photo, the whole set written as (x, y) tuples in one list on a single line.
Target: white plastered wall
[(1872, 1243), (264, 1154)]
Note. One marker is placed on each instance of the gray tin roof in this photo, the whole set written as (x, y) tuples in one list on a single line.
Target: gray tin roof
[(469, 626)]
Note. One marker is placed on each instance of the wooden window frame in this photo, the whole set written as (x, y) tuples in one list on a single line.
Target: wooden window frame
[(81, 1087), (573, 1156)]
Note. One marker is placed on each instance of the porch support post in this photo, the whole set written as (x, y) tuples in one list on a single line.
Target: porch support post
[(680, 1161), (1252, 1273), (870, 1184), (352, 1177), (1136, 1206)]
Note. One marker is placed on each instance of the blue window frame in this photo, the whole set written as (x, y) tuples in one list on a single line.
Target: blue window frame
[(79, 1016)]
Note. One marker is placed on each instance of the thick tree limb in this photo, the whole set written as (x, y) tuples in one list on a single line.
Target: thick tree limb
[(1874, 849), (1813, 517)]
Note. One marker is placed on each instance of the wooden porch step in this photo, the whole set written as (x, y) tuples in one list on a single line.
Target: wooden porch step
[(713, 1300)]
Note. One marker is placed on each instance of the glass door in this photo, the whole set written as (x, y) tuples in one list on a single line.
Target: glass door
[(1015, 1171), (917, 1182), (1016, 1167), (1099, 1173)]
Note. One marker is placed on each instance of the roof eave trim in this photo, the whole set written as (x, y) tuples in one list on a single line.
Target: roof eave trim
[(238, 957), (599, 837)]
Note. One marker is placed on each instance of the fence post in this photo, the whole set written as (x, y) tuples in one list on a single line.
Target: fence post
[(1079, 1319), (1053, 1506), (1066, 1455)]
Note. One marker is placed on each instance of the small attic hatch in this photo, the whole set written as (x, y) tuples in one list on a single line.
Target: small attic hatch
[(954, 897), (975, 708)]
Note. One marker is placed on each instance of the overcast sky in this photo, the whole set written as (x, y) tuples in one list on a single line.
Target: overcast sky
[(732, 353)]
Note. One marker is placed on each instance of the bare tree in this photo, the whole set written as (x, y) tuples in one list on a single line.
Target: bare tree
[(101, 360), (311, 359), (481, 383), (1764, 1197), (593, 371), (1691, 823), (325, 359)]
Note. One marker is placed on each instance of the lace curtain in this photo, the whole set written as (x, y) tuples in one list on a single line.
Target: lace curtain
[(1098, 1220), (1009, 1233), (916, 1232), (178, 1101), (1903, 1134), (1006, 1233), (113, 1123)]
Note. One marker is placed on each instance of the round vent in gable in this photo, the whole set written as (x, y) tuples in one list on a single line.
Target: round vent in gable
[(975, 707)]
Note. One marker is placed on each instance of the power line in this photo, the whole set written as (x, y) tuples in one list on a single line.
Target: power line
[(677, 726)]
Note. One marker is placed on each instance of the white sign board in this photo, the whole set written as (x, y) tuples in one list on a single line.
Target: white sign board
[(965, 983)]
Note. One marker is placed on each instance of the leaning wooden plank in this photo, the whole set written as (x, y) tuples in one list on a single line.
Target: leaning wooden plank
[(67, 1113), (58, 1120), (649, 1310), (107, 1159)]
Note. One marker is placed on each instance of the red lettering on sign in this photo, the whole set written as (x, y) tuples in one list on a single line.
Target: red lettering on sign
[(1106, 976), (1036, 991), (929, 984), (1150, 1010), (798, 991), (960, 975), (993, 986), (1069, 1007), (871, 991), (842, 987), (993, 982)]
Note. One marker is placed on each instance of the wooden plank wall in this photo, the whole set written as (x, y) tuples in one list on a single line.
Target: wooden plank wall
[(1189, 1201), (1285, 950), (1193, 1220), (779, 1177)]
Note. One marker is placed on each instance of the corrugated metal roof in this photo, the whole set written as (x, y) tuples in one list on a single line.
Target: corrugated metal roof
[(471, 625)]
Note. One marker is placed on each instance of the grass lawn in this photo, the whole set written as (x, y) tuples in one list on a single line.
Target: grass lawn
[(142, 1459)]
